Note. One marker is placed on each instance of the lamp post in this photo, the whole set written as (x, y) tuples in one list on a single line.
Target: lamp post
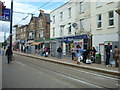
[(11, 15)]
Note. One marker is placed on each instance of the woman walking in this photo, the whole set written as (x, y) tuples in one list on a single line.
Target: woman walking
[(79, 52)]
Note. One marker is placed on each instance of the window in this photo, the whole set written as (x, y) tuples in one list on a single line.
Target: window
[(69, 12), (99, 21), (39, 35), (81, 24), (111, 18), (98, 3), (61, 16), (81, 7), (32, 35), (53, 19), (61, 30), (53, 31), (25, 29), (69, 28), (40, 23)]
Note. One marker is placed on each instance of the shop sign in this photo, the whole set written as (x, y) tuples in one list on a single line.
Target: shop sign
[(106, 42), (81, 37), (70, 39), (78, 42)]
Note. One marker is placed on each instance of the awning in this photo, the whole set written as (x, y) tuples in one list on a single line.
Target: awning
[(36, 43)]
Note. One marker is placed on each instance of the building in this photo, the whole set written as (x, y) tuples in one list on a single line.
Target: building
[(31, 30), (68, 28), (104, 25), (36, 32), (43, 28), (89, 24)]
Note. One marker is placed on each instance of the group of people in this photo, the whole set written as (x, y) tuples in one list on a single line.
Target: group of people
[(115, 55), (83, 55)]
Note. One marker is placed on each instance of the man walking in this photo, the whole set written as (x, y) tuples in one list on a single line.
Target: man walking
[(9, 54), (59, 50), (107, 50)]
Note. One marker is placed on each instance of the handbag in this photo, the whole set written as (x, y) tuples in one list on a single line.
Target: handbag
[(75, 58), (112, 62), (88, 61)]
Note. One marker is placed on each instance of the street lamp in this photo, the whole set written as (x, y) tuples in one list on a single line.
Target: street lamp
[(11, 16)]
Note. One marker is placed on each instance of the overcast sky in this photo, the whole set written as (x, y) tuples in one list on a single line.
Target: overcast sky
[(26, 6)]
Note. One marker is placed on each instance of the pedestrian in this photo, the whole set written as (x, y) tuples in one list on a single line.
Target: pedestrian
[(73, 52), (79, 52), (27, 50), (93, 52), (107, 50), (59, 50), (9, 54), (115, 55), (84, 56), (46, 51), (24, 49)]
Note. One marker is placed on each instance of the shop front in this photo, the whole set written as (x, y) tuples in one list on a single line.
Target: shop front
[(68, 42), (22, 45)]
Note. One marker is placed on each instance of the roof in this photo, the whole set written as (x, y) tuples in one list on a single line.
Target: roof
[(47, 15)]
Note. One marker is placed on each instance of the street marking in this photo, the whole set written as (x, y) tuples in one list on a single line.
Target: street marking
[(81, 81), (20, 63), (72, 78), (95, 74)]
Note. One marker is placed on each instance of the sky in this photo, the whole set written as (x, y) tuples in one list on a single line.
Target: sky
[(22, 7)]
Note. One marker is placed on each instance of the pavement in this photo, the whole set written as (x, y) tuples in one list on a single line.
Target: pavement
[(67, 61)]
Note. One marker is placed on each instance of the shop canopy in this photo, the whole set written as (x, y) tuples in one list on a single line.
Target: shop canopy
[(36, 43)]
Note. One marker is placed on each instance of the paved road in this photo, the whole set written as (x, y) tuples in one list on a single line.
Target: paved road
[(27, 72)]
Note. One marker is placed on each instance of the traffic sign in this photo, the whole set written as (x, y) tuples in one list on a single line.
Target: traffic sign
[(6, 16)]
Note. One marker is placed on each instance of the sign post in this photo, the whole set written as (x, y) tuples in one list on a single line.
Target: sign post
[(11, 15)]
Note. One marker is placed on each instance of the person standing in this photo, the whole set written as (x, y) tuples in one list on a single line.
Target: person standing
[(59, 50), (84, 55), (73, 52), (46, 51), (9, 54), (93, 52), (116, 54), (107, 50), (79, 52)]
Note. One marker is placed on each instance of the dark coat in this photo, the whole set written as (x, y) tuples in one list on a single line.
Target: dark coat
[(9, 52), (59, 49)]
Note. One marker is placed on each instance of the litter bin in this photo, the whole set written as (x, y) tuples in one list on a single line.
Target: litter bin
[(98, 58)]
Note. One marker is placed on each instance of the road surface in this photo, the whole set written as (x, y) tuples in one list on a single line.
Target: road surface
[(26, 72)]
